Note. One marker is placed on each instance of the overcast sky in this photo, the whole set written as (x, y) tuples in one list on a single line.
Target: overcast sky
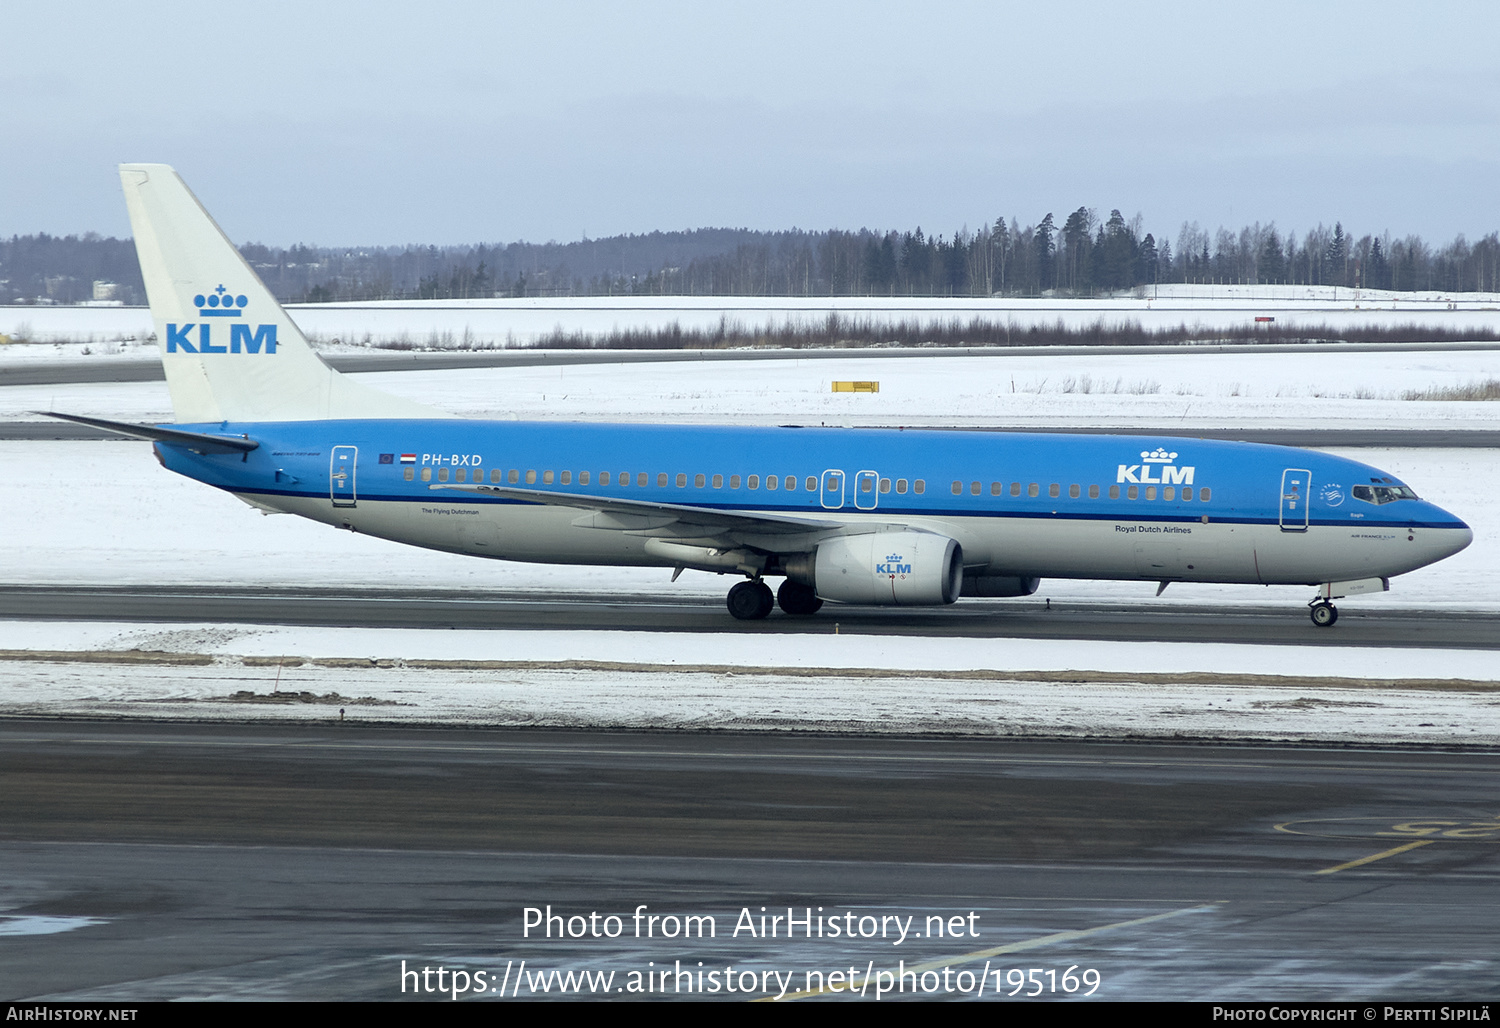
[(384, 123)]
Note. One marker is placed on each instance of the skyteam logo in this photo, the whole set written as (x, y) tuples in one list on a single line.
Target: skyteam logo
[(893, 566), (1151, 461), (220, 303)]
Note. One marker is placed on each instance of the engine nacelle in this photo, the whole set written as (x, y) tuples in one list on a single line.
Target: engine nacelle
[(1000, 585), (888, 569)]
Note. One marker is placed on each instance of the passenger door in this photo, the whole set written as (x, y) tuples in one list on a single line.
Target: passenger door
[(341, 475), (1295, 493)]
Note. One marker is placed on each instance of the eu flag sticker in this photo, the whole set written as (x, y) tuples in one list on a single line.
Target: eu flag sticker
[(387, 458)]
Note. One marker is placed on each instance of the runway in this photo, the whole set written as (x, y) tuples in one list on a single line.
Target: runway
[(308, 862), (1026, 618)]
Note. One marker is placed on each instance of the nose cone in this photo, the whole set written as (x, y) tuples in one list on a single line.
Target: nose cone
[(1445, 534)]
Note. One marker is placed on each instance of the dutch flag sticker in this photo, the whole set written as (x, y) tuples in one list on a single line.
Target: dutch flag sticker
[(408, 458)]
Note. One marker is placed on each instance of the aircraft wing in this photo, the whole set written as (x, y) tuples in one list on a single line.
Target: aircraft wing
[(649, 518)]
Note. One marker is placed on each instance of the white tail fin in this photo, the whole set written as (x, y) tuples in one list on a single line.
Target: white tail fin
[(230, 352)]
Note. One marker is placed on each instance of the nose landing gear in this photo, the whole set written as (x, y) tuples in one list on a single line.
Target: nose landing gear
[(750, 601), (1323, 613)]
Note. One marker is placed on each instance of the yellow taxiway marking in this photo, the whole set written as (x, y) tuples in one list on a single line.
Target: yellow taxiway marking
[(1376, 856), (1011, 947)]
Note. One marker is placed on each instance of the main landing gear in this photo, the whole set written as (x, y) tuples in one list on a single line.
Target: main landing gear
[(1323, 613), (798, 599), (751, 601)]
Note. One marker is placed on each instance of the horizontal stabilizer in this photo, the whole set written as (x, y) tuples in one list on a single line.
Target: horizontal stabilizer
[(198, 442)]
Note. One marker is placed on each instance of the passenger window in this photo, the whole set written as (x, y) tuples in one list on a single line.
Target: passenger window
[(442, 474), (604, 478), (919, 486), (661, 480), (901, 486), (1134, 492), (1032, 489), (1169, 493), (567, 478), (996, 488), (1054, 490), (495, 475), (427, 474), (753, 482), (718, 481), (698, 481), (1151, 492), (958, 487), (583, 478), (531, 478), (974, 488), (885, 485), (812, 484), (734, 481), (681, 481), (515, 476), (461, 475), (546, 478), (1074, 491), (1114, 492), (1015, 488), (409, 474), (772, 481), (640, 479), (1203, 494), (1187, 493), (1093, 492), (866, 486), (791, 482), (624, 478)]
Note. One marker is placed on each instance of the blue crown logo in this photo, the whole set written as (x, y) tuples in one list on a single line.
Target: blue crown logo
[(220, 304)]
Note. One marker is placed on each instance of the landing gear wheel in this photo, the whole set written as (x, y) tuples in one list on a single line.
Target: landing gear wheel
[(750, 601), (1324, 614), (796, 598)]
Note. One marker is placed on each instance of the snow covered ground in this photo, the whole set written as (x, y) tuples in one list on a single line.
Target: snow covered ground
[(1181, 392), (450, 323), (838, 683)]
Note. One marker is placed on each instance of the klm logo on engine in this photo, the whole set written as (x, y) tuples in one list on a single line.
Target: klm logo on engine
[(242, 337), (1153, 461), (892, 566)]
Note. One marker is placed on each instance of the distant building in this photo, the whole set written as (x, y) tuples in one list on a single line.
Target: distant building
[(106, 290)]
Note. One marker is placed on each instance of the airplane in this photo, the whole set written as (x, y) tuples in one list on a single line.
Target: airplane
[(873, 517)]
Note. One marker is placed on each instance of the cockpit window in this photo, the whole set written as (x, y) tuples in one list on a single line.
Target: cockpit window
[(1383, 493)]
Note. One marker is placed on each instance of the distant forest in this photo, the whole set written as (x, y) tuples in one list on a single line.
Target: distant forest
[(1083, 256)]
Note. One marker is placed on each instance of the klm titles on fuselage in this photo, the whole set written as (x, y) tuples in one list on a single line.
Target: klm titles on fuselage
[(1140, 474), (220, 304)]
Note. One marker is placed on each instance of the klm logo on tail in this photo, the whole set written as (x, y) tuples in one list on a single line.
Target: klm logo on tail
[(220, 304)]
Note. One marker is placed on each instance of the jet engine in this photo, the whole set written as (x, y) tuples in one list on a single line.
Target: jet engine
[(883, 569)]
